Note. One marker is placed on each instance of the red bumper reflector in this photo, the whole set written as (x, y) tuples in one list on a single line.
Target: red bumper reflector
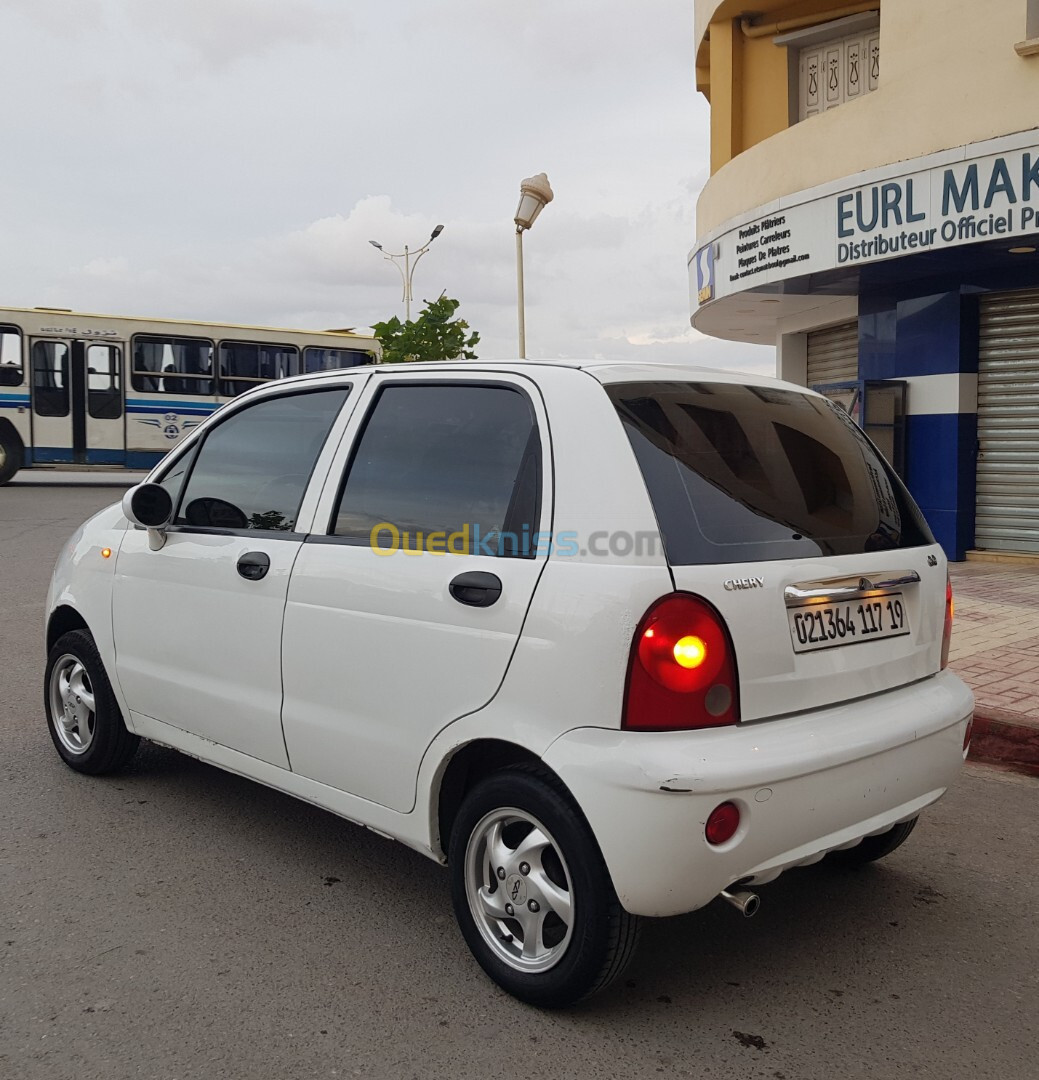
[(722, 823)]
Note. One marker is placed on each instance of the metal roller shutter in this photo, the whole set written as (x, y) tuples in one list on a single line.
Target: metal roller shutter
[(1008, 423), (833, 354)]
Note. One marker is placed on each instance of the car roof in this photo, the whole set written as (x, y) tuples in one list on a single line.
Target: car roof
[(604, 371)]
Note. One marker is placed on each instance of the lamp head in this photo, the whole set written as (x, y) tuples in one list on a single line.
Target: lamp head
[(435, 233), (375, 244), (535, 194)]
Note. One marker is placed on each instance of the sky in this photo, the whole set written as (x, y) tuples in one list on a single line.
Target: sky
[(231, 159)]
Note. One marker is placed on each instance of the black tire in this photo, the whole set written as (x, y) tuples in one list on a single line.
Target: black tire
[(582, 956), (93, 741), (871, 848), (10, 455)]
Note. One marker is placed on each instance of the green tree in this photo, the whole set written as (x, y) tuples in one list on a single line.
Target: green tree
[(434, 335)]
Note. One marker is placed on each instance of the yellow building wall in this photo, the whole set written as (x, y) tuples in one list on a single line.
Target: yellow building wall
[(746, 79), (949, 76)]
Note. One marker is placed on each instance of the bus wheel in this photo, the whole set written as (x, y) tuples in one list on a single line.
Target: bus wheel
[(10, 454)]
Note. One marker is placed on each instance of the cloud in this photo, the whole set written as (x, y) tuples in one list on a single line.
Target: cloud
[(221, 31), (326, 273), (231, 159)]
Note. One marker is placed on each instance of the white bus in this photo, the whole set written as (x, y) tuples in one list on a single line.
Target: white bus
[(79, 389)]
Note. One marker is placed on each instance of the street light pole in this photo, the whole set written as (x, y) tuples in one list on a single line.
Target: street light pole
[(411, 259), (535, 194)]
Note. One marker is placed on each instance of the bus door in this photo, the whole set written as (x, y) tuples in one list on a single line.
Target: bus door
[(77, 402)]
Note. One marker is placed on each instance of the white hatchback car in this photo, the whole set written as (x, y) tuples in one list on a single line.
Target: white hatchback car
[(610, 640)]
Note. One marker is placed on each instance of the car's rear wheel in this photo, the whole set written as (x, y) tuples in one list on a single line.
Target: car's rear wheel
[(83, 716), (871, 848), (531, 892)]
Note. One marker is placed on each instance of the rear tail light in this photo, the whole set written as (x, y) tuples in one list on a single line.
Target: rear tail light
[(947, 632), (682, 668)]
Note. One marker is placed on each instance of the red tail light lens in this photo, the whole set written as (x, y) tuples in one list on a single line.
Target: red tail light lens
[(682, 669), (947, 632)]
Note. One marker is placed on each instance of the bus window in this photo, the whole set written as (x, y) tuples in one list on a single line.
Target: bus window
[(50, 378), (315, 359), (244, 364), (11, 373), (168, 365), (104, 399)]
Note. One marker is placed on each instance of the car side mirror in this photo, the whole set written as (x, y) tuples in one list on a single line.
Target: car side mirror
[(150, 506)]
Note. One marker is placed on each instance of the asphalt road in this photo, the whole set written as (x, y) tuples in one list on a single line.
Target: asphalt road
[(178, 922)]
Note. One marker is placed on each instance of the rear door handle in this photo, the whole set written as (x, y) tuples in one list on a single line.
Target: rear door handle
[(476, 588), (253, 565)]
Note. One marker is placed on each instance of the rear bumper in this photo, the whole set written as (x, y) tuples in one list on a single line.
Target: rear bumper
[(805, 785)]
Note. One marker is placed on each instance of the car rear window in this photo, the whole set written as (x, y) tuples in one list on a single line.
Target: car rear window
[(746, 473)]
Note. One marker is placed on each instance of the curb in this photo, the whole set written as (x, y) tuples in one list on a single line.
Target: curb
[(1005, 738)]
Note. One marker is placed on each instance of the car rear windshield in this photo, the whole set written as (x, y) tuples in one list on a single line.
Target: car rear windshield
[(746, 473)]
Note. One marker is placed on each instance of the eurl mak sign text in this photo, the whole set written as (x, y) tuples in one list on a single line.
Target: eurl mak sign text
[(961, 202)]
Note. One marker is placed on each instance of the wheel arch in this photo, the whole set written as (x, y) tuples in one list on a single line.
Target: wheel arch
[(62, 620), (11, 435), (469, 764)]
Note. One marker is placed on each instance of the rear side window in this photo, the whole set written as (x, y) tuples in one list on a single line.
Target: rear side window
[(459, 462), (748, 473), (252, 470)]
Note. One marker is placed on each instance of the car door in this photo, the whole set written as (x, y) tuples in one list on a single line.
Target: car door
[(404, 614), (198, 623)]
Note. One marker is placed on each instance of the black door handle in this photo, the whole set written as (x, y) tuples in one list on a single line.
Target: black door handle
[(254, 565), (476, 588)]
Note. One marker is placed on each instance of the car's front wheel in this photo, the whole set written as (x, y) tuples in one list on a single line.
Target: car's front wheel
[(82, 714), (531, 892)]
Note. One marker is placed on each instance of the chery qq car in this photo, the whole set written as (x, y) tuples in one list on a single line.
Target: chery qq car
[(609, 640)]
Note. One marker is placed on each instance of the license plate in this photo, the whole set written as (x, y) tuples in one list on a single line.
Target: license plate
[(826, 626)]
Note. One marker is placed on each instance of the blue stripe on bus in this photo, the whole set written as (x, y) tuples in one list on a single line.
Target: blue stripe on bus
[(140, 459), (12, 400), (63, 455), (197, 408)]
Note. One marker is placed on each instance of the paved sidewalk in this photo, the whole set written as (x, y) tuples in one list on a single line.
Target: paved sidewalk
[(995, 648)]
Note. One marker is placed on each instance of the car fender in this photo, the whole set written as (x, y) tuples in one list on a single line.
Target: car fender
[(83, 578)]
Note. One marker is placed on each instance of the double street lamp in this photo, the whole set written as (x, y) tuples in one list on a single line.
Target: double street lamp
[(535, 195), (411, 259)]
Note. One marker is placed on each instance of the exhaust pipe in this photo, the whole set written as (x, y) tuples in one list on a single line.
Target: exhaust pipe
[(747, 902)]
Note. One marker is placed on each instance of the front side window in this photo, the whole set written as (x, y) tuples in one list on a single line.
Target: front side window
[(104, 397), (11, 373), (244, 364), (746, 473), (172, 365), (50, 378), (252, 470), (317, 359), (456, 461)]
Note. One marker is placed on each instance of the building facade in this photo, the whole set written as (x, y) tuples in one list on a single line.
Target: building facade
[(873, 210)]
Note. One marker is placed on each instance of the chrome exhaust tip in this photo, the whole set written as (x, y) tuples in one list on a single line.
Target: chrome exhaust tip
[(746, 902)]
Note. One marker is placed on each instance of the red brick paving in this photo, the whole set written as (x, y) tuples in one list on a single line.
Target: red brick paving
[(995, 637)]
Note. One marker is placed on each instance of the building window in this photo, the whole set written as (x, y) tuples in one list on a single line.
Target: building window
[(837, 71), (1032, 20), (832, 63)]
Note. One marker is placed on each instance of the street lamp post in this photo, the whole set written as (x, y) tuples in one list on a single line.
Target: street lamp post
[(411, 259), (535, 194)]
